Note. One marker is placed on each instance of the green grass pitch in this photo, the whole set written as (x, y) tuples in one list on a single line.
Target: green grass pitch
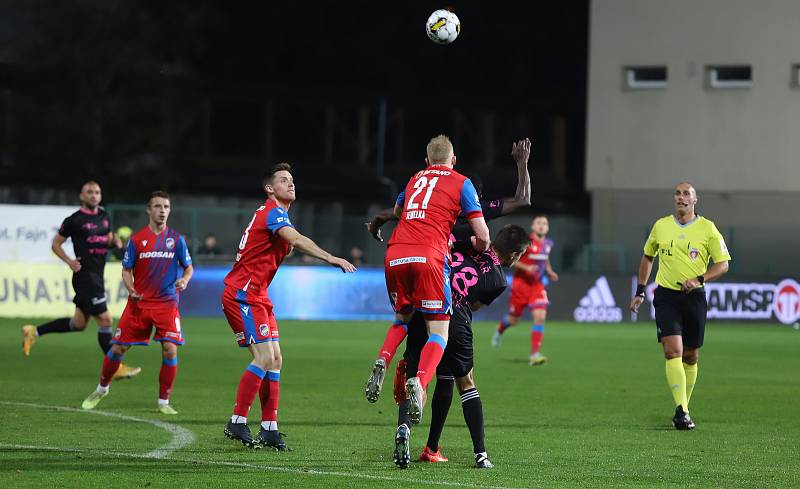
[(597, 415)]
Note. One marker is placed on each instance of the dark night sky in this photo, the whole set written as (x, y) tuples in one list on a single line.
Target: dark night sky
[(98, 76)]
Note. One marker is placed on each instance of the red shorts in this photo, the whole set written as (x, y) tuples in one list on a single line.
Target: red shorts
[(251, 322), (136, 324), (524, 294), (418, 279)]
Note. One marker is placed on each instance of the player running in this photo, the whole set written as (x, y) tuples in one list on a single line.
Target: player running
[(520, 151), (266, 241), (150, 273), (477, 279), (90, 230), (417, 263), (531, 275)]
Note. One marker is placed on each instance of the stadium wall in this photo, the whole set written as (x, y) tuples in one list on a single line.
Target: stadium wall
[(738, 144)]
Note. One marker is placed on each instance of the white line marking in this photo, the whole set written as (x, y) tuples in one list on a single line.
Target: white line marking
[(164, 452), (181, 437)]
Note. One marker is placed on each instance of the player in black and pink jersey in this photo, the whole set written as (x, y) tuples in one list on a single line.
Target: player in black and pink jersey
[(266, 241), (477, 279), (492, 209), (156, 268), (90, 230)]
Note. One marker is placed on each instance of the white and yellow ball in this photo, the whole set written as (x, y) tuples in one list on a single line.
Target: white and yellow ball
[(443, 27)]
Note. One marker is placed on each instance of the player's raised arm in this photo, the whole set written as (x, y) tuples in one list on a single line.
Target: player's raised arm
[(520, 151), (309, 247), (386, 215)]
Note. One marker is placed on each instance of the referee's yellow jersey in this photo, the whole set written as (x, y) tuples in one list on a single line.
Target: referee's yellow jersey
[(684, 249)]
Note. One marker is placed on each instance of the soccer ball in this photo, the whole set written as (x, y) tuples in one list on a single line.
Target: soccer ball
[(443, 27)]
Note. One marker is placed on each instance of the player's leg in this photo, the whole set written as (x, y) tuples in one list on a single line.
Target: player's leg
[(166, 376), (269, 394), (111, 362), (473, 415), (30, 332), (516, 306), (441, 400), (406, 369), (431, 354), (104, 337), (507, 321), (539, 313), (394, 337)]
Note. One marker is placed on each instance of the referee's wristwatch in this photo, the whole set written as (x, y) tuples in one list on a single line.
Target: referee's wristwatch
[(701, 279)]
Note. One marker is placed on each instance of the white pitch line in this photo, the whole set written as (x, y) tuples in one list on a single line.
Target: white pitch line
[(164, 452), (181, 437)]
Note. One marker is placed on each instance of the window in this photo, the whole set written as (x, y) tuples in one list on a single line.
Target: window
[(639, 77), (730, 76)]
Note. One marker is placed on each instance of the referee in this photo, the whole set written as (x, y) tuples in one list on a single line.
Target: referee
[(684, 242)]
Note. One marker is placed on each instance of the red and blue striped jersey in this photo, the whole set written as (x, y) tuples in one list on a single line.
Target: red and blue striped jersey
[(431, 202), (154, 259), (261, 251)]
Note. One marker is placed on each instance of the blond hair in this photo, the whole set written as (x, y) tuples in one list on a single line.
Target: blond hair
[(439, 150)]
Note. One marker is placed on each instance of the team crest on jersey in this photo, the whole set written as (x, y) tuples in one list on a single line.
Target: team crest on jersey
[(694, 253), (170, 243), (263, 329)]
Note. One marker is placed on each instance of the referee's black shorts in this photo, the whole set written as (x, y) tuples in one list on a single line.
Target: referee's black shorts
[(681, 314), (458, 358), (90, 293)]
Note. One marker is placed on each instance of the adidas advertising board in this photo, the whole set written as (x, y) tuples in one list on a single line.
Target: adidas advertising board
[(598, 305), (747, 300)]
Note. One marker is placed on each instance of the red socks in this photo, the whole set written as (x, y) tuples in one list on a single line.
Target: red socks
[(166, 378), (429, 358), (396, 334), (269, 394), (249, 386), (110, 366), (537, 333)]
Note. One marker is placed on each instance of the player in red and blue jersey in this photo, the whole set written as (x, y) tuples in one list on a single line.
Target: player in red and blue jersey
[(266, 241), (417, 263), (532, 273), (156, 267)]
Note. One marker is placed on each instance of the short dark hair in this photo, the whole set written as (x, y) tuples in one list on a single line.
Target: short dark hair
[(510, 239), (266, 178), (156, 194), (538, 215)]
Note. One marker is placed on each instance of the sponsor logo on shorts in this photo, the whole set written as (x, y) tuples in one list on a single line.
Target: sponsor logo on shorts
[(408, 259), (98, 300), (598, 305), (239, 336), (170, 243), (428, 304), (171, 334), (263, 329), (118, 333)]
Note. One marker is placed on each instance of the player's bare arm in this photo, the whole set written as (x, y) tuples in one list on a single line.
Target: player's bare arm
[(714, 272), (74, 265), (645, 267), (480, 240), (127, 279), (520, 151), (384, 216), (183, 282), (309, 247), (114, 241)]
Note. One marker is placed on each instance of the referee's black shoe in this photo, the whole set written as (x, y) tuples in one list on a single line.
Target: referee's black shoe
[(241, 432), (681, 420), (272, 439)]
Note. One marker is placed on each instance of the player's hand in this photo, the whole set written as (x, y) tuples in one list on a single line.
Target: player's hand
[(181, 284), (375, 230), (75, 265), (553, 276), (345, 265), (636, 302), (133, 294), (689, 285), (521, 151)]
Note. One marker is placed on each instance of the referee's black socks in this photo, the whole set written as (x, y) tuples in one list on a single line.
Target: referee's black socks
[(473, 415)]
